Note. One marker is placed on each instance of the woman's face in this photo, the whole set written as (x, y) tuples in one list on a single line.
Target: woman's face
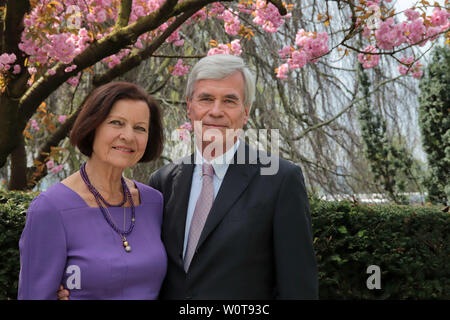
[(121, 138)]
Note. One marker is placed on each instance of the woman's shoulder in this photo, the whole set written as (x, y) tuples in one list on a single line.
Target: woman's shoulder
[(58, 196), (148, 194)]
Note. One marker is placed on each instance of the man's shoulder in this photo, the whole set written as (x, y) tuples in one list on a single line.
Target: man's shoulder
[(273, 163), (164, 172), (169, 170)]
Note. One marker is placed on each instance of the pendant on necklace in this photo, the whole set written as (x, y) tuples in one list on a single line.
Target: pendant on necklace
[(126, 245)]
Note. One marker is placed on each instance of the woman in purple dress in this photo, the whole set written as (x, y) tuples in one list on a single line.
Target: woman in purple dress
[(97, 233)]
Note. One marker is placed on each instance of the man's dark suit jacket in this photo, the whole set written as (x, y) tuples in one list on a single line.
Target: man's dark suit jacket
[(257, 240)]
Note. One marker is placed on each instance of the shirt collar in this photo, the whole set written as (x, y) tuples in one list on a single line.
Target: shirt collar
[(220, 163)]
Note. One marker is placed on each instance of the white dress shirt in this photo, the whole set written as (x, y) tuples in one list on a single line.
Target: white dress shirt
[(220, 165)]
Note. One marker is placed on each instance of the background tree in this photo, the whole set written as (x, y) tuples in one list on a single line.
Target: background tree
[(434, 121), (56, 52), (388, 163)]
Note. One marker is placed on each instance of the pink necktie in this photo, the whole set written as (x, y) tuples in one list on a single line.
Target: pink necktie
[(202, 208)]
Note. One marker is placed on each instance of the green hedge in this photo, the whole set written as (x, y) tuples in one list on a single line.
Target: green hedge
[(409, 244), (13, 208)]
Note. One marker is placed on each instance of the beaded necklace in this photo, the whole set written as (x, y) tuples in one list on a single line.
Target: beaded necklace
[(99, 199)]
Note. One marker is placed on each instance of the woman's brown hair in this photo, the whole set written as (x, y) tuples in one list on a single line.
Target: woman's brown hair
[(97, 107)]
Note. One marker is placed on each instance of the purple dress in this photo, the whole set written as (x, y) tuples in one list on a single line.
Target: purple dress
[(67, 242)]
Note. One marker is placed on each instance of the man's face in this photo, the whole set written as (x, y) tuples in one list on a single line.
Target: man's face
[(219, 104)]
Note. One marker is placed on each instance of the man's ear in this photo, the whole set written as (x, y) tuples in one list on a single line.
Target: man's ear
[(247, 112)]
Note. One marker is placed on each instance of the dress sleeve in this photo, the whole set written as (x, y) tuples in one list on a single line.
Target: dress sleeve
[(42, 252)]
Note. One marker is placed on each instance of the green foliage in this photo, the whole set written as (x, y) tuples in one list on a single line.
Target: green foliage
[(434, 121), (13, 207), (409, 244), (389, 164)]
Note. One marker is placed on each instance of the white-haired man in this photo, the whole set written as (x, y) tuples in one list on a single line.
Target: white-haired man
[(231, 232)]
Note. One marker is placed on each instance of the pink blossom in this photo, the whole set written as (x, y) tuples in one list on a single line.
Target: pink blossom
[(367, 32), (311, 45), (34, 125), (216, 9), (243, 7), (314, 44), (71, 68), (73, 81), (90, 17), (411, 14), (32, 70), (174, 35), (433, 33), (286, 51), (416, 31), (113, 60), (17, 69), (390, 35), (180, 69), (233, 48), (51, 72), (298, 60), (200, 15), (282, 71), (62, 118), (236, 47), (100, 16), (408, 67), (232, 23), (369, 60), (178, 43), (183, 134), (57, 169), (187, 125), (268, 16), (417, 74), (50, 164), (406, 60), (440, 16), (7, 59)]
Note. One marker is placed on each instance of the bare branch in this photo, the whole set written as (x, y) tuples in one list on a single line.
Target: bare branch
[(319, 125)]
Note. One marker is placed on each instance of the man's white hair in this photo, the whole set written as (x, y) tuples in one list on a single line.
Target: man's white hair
[(220, 66)]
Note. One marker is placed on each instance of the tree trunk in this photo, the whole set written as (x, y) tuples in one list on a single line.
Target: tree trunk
[(18, 179)]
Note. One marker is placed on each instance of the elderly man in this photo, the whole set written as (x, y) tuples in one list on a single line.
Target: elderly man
[(231, 232)]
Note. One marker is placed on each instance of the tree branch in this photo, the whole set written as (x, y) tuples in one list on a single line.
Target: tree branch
[(319, 125), (137, 57), (52, 141), (124, 14), (105, 47)]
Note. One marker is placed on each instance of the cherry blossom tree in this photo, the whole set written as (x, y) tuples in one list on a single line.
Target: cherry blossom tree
[(46, 43)]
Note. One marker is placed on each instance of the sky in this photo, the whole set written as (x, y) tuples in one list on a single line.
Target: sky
[(401, 5)]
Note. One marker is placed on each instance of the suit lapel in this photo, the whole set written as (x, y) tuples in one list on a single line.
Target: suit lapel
[(236, 180), (180, 196)]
